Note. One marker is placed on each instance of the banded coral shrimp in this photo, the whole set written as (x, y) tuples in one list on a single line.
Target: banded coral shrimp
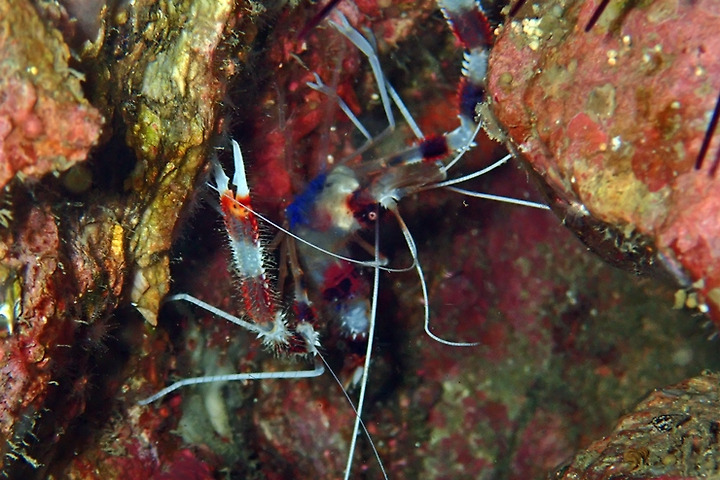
[(443, 417)]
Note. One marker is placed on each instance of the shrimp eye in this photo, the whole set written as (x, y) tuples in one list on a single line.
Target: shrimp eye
[(367, 215), (363, 207)]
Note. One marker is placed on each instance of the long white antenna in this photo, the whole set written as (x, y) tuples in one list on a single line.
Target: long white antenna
[(423, 286), (234, 377), (368, 352)]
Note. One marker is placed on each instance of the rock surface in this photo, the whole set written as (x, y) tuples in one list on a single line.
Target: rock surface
[(613, 120)]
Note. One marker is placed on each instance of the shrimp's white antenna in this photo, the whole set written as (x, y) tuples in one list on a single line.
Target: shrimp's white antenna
[(243, 193), (448, 184), (499, 198), (465, 178), (357, 416), (381, 264), (423, 285), (234, 377), (368, 352)]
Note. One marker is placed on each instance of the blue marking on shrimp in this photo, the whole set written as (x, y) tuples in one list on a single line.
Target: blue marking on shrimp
[(299, 211)]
